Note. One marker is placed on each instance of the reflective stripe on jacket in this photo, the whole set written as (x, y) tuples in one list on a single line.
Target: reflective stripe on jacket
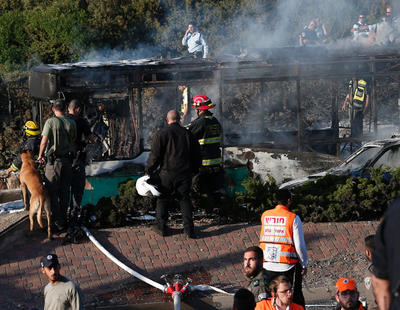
[(207, 130), (360, 94), (276, 236)]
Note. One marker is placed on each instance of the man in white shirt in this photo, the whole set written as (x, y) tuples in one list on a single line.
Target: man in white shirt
[(195, 41), (282, 240)]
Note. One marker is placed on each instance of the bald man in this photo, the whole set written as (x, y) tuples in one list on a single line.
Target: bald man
[(176, 155)]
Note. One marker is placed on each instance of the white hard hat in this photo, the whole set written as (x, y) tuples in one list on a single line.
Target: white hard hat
[(145, 189)]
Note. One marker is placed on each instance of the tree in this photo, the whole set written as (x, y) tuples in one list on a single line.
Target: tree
[(13, 38), (57, 32)]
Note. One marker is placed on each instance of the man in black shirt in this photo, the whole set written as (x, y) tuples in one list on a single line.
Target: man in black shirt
[(177, 154), (83, 134), (386, 258)]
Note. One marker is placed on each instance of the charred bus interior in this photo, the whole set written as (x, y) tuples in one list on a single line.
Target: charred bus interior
[(288, 98)]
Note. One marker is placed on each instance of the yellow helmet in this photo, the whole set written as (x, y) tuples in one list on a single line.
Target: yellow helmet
[(31, 128)]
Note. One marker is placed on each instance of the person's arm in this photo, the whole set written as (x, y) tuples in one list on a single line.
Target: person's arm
[(381, 259), (366, 103), (43, 145), (88, 132), (154, 159), (75, 299), (346, 100), (299, 243), (324, 30), (205, 46), (185, 38), (382, 292), (185, 112), (185, 99)]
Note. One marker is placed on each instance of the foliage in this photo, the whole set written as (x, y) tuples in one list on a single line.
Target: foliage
[(310, 199), (332, 198), (13, 39), (341, 198), (124, 23), (328, 199), (106, 214), (259, 196), (130, 202), (57, 32), (113, 212)]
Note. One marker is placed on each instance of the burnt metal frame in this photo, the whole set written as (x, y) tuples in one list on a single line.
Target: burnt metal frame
[(127, 77)]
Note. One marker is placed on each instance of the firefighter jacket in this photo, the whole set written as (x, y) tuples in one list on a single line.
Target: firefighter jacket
[(359, 94), (174, 150), (276, 236), (207, 131), (32, 144), (268, 304)]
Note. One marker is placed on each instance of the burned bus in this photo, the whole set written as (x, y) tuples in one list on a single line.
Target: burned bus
[(279, 108)]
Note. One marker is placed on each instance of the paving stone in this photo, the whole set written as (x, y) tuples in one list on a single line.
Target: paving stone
[(217, 253)]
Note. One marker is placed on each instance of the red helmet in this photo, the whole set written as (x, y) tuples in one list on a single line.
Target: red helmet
[(202, 102)]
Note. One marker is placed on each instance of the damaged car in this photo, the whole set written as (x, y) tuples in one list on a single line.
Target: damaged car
[(371, 155)]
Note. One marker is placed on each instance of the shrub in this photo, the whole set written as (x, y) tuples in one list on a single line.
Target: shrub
[(259, 196), (14, 42), (57, 32)]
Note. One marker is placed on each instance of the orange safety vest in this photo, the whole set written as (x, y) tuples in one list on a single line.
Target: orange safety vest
[(276, 236), (267, 304)]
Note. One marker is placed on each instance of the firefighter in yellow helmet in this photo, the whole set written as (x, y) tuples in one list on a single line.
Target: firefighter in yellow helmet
[(358, 100), (31, 142)]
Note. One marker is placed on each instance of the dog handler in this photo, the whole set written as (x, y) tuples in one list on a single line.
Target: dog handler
[(59, 134)]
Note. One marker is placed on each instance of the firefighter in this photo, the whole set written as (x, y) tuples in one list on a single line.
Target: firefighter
[(30, 141), (207, 130), (358, 101)]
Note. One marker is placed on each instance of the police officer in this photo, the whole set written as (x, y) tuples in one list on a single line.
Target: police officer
[(30, 141), (255, 273), (58, 137), (79, 161), (208, 131)]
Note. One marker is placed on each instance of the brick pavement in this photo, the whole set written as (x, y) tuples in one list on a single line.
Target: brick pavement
[(215, 258)]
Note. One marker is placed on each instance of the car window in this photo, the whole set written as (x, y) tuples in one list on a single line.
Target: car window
[(390, 158), (361, 159)]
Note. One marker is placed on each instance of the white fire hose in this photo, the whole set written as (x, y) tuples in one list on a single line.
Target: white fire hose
[(176, 295), (122, 265)]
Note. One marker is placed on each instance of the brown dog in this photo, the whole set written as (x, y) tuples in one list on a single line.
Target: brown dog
[(30, 179)]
